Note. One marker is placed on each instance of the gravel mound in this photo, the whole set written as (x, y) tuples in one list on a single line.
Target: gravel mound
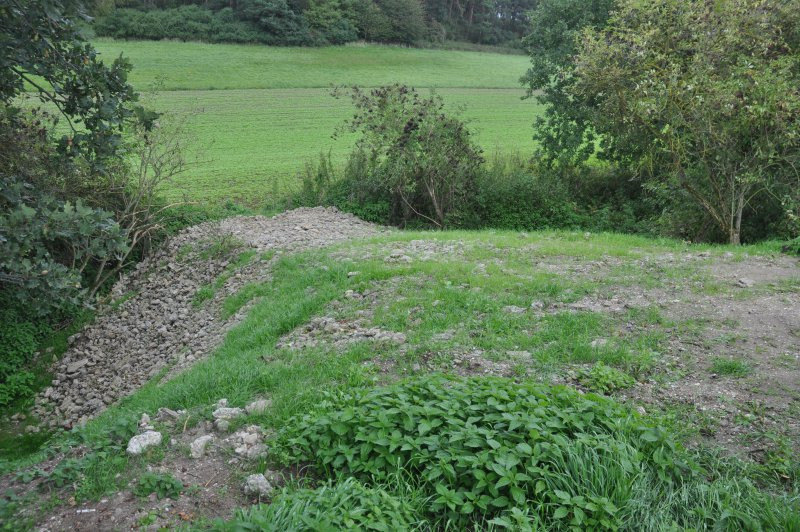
[(158, 328)]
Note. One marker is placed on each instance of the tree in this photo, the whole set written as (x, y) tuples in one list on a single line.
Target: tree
[(411, 151), (41, 47), (698, 95), (563, 132)]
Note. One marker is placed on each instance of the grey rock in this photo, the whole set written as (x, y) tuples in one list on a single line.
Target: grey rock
[(141, 442), (257, 486), (145, 335), (75, 366), (227, 413), (258, 406), (198, 446)]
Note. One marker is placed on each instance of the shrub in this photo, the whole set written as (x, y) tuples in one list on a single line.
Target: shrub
[(278, 24), (345, 505), (702, 97), (20, 336), (480, 447), (328, 20), (47, 245), (412, 155)]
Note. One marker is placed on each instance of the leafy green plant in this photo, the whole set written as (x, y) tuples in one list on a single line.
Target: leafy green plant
[(730, 367), (412, 153), (480, 447), (604, 379), (344, 505), (163, 485)]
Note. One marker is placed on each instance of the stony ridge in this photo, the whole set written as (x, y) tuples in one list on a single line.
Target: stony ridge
[(157, 328)]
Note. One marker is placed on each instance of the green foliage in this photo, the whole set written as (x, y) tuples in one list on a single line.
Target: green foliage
[(698, 97), (18, 343), (163, 485), (792, 248), (317, 22), (345, 505), (49, 244), (730, 367), (410, 154), (604, 379), (44, 49), (482, 446), (509, 193), (186, 23), (330, 24), (563, 131), (276, 21)]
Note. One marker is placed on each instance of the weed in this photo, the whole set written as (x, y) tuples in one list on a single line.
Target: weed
[(603, 379), (730, 367), (163, 485), (220, 247), (345, 505), (480, 447)]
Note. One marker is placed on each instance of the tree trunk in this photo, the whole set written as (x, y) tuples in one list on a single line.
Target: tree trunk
[(736, 221)]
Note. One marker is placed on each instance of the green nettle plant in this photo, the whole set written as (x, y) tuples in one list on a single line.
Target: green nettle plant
[(491, 450), (697, 96), (413, 153)]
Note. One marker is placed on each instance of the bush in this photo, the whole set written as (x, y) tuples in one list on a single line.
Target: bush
[(18, 343), (508, 193), (483, 446), (328, 21), (48, 246), (346, 505), (276, 22), (411, 155), (701, 97)]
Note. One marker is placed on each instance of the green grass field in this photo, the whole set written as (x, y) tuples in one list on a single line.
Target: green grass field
[(260, 113)]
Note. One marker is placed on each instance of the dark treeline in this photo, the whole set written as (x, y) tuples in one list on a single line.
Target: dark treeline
[(317, 22)]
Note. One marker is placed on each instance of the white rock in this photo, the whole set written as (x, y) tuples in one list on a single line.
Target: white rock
[(227, 413), (258, 407), (198, 446), (257, 486), (140, 442), (598, 342)]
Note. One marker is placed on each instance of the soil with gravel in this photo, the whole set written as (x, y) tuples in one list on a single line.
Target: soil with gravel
[(158, 329)]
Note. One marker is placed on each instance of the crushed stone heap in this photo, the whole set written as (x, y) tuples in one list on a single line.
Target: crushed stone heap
[(157, 328)]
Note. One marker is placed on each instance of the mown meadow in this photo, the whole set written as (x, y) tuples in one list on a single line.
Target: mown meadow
[(258, 114)]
